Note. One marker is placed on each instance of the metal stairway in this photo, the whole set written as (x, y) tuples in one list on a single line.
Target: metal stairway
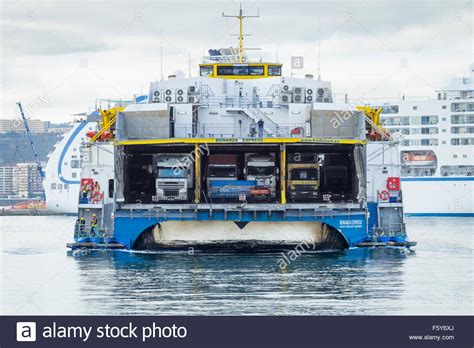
[(269, 126)]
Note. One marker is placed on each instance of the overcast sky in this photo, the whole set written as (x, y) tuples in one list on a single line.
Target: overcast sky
[(73, 52)]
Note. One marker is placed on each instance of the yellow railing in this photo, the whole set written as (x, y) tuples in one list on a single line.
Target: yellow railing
[(109, 117)]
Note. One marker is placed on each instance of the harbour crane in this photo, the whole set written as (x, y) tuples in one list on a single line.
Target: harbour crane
[(33, 148)]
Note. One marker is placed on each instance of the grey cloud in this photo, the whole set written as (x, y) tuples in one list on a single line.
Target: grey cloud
[(361, 42), (39, 40)]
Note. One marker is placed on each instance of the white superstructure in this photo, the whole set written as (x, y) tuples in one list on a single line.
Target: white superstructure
[(437, 152), (63, 170)]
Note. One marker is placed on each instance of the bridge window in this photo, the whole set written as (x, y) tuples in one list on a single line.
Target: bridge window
[(274, 70), (206, 70), (240, 70), (75, 163), (256, 70)]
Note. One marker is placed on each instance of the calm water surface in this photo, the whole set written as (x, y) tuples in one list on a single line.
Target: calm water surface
[(38, 276)]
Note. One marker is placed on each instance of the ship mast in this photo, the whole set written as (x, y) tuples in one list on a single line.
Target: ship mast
[(241, 17)]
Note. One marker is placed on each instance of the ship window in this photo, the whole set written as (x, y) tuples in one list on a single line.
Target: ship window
[(415, 107), (60, 186), (66, 186), (455, 156), (443, 119), (457, 170), (74, 163), (274, 70), (462, 141), (53, 186), (206, 70), (256, 70), (224, 70), (462, 107), (396, 121), (443, 107), (387, 109), (74, 175), (429, 130), (240, 70), (461, 119)]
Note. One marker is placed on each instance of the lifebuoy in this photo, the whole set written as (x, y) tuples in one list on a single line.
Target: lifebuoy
[(384, 195)]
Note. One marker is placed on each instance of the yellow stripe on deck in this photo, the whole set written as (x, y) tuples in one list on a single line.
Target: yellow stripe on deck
[(239, 141)]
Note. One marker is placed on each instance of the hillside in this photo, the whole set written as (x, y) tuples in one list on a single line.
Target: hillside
[(10, 142)]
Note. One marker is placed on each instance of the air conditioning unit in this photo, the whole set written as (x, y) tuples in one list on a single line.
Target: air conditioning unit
[(286, 98), (192, 90), (299, 95), (193, 99), (298, 98), (169, 96), (181, 96), (156, 96), (286, 89), (309, 95), (320, 95)]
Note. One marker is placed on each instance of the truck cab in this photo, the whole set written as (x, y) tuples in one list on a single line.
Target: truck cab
[(262, 170), (174, 178), (223, 184), (303, 177)]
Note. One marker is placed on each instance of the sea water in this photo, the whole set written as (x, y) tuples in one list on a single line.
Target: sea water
[(39, 276)]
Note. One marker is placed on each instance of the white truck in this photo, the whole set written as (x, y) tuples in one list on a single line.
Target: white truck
[(174, 178), (261, 169)]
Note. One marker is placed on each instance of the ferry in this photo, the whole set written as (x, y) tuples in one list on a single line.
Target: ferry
[(240, 158), (437, 148)]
